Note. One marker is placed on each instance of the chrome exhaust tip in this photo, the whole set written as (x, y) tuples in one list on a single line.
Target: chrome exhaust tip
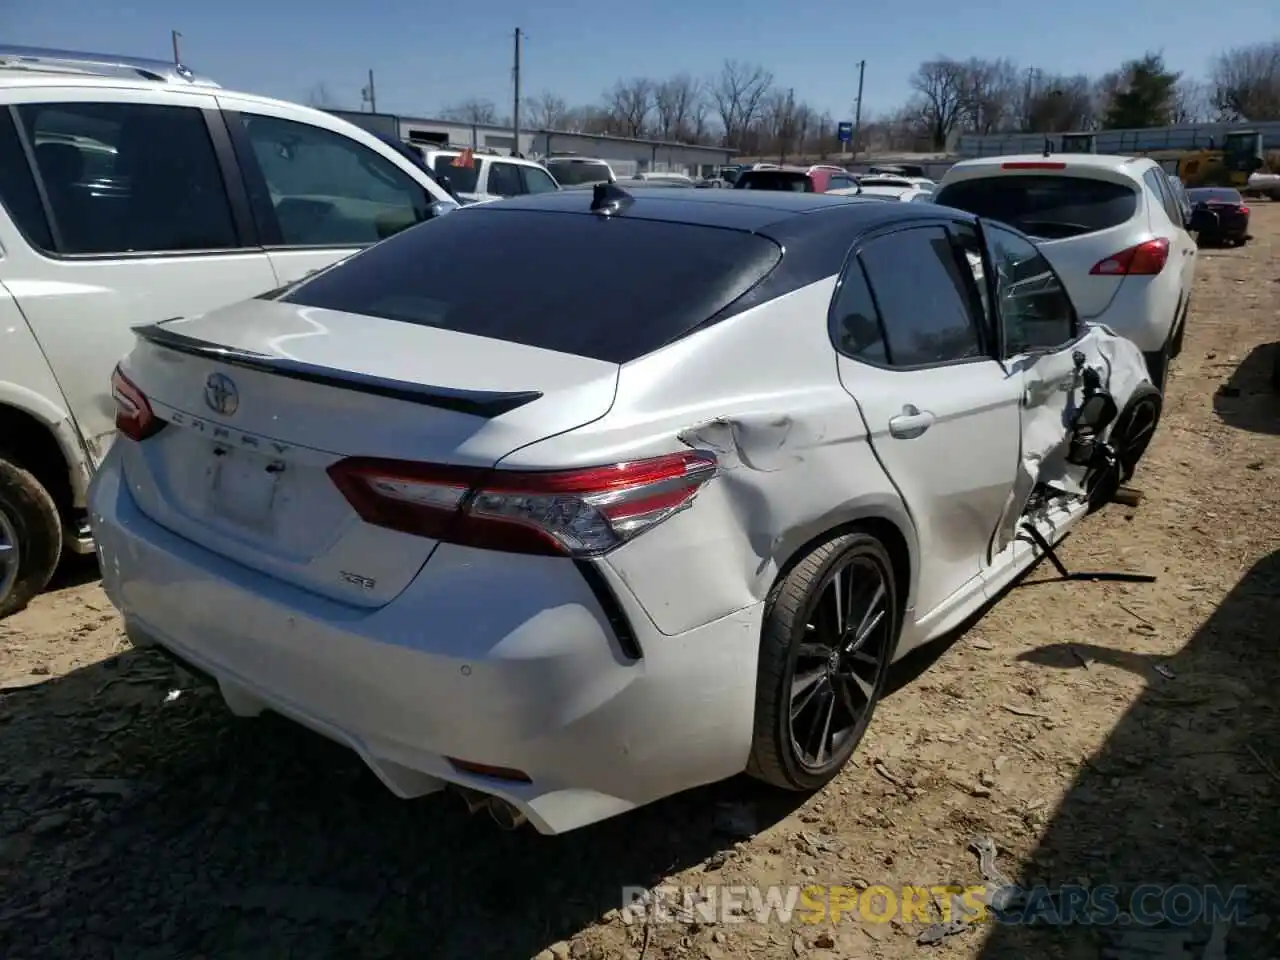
[(474, 799), (504, 814)]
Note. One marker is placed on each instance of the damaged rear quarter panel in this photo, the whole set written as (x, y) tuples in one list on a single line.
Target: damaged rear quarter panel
[(761, 391)]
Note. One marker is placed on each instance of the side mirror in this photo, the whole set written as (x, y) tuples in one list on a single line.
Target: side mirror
[(439, 208)]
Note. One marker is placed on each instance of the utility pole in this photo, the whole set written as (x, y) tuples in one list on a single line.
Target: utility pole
[(369, 95), (515, 107), (857, 110), (174, 35)]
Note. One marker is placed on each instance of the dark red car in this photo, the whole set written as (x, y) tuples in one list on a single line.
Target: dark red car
[(1232, 214)]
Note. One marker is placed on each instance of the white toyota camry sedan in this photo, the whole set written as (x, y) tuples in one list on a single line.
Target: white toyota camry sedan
[(577, 500)]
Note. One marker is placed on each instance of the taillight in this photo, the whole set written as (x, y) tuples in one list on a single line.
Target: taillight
[(1144, 260), (576, 513), (1242, 209), (134, 416)]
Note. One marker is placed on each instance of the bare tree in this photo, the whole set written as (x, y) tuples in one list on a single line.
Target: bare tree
[(674, 101), (630, 103), (1056, 104), (940, 86), (1246, 82), (1191, 102), (990, 94), (472, 111), (737, 93), (320, 97), (547, 111), (824, 126)]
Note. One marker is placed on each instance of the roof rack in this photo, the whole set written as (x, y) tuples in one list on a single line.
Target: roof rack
[(44, 60)]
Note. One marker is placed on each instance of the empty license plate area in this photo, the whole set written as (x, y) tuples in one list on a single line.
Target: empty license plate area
[(245, 486)]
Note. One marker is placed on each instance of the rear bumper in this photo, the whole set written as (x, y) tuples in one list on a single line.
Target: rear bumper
[(515, 668)]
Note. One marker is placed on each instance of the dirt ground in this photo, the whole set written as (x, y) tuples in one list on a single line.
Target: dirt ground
[(1097, 732)]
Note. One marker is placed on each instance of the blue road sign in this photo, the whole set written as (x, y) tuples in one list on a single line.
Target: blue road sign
[(844, 131)]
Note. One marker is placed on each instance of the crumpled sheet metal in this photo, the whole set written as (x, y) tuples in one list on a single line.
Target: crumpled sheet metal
[(1047, 420)]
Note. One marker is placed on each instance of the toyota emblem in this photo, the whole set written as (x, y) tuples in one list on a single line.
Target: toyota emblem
[(221, 395)]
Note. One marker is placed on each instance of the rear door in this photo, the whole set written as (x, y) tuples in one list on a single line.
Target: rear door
[(942, 414), (140, 216), (320, 193), (1076, 220)]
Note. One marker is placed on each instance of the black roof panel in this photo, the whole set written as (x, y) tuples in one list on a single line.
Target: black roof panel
[(732, 209)]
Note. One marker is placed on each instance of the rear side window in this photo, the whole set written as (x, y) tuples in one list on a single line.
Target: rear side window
[(572, 173), (1049, 207), (462, 177), (775, 180), (575, 283), (925, 300), (129, 177)]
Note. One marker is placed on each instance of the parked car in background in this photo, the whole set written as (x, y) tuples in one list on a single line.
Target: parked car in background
[(135, 190), (665, 177), (710, 506), (579, 171), (1112, 228), (892, 180), (1230, 222), (795, 180), (899, 193), (477, 177)]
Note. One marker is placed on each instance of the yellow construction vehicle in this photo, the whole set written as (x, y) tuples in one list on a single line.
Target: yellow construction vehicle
[(1228, 165)]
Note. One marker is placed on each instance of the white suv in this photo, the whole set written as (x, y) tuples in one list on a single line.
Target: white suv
[(1111, 226), (477, 177), (132, 191)]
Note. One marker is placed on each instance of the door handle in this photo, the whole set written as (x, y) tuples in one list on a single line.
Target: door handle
[(911, 423)]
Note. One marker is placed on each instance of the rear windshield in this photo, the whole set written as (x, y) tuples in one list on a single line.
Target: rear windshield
[(462, 179), (1049, 207), (1214, 195), (570, 173), (774, 180), (611, 289)]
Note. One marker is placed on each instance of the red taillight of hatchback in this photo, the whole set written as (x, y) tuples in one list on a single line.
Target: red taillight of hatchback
[(576, 513), (134, 416), (1144, 260)]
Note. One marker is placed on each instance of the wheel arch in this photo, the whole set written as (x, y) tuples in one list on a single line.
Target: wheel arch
[(44, 441), (884, 517)]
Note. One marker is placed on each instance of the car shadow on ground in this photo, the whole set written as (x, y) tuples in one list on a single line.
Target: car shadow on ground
[(138, 819), (1250, 400), (1183, 792)]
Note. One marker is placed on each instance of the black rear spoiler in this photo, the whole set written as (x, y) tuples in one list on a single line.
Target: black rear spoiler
[(477, 403)]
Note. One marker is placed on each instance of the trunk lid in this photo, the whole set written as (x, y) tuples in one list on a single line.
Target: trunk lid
[(262, 397)]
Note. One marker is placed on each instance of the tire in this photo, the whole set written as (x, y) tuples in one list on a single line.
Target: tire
[(30, 523), (1175, 346), (800, 602), (1158, 366), (1140, 416)]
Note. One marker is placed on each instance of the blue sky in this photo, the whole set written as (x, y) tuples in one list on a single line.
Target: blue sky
[(428, 55)]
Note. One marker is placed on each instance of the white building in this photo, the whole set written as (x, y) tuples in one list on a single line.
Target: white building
[(625, 155)]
